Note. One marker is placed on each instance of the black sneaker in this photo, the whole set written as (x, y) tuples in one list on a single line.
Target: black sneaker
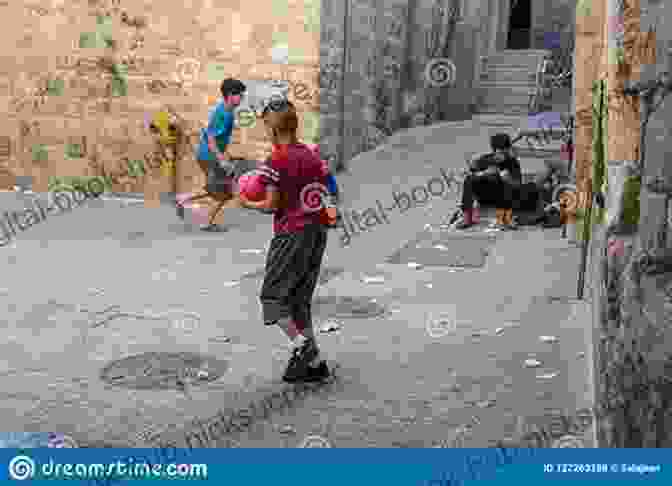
[(297, 368), (213, 228), (317, 373)]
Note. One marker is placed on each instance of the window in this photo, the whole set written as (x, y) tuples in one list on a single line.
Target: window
[(454, 8)]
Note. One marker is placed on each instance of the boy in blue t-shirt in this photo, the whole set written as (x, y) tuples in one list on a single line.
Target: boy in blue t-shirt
[(212, 154)]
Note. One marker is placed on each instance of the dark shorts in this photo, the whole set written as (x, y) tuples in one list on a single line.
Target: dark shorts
[(292, 269), (220, 180)]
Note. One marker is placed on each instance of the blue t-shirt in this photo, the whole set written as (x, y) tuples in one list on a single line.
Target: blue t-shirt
[(220, 125)]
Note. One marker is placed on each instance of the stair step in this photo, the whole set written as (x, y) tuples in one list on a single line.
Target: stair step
[(498, 119), (509, 109), (511, 66), (508, 73), (504, 100), (506, 91), (509, 76), (493, 83), (513, 54)]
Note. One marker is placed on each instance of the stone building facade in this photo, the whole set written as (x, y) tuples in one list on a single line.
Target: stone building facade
[(374, 54), (363, 63), (632, 262)]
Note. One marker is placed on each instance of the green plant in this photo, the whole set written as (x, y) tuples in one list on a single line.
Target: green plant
[(70, 183)]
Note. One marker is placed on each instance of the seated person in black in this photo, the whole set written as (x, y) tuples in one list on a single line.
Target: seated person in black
[(495, 180)]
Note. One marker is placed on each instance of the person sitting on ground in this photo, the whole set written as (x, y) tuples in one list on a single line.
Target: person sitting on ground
[(494, 181)]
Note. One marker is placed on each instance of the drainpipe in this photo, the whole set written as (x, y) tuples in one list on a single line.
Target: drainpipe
[(347, 24)]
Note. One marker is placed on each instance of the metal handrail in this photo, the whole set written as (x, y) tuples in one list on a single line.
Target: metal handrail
[(533, 105)]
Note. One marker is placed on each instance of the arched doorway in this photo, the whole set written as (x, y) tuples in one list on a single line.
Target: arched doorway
[(520, 25)]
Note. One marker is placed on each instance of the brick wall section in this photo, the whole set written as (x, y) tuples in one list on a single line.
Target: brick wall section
[(228, 38)]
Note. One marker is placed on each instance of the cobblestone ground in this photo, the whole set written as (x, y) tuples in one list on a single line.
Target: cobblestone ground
[(510, 345)]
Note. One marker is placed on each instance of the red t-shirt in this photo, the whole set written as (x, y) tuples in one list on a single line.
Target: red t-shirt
[(297, 173)]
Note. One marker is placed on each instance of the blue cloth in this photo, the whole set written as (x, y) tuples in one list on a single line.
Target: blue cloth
[(552, 40), (332, 186), (220, 126)]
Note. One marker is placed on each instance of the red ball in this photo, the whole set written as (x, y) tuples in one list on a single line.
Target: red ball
[(251, 186)]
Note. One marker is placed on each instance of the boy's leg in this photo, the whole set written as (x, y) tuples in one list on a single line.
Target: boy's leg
[(275, 291), (195, 198), (302, 295), (286, 267), (223, 192)]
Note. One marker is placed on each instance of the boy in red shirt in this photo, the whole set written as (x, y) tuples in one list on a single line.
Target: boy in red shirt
[(296, 188)]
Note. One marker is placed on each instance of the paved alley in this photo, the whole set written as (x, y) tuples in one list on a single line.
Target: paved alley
[(101, 305)]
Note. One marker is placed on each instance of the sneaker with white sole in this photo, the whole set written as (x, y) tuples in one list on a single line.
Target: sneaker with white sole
[(297, 368)]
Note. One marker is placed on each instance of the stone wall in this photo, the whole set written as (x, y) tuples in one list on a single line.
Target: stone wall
[(631, 278), (70, 116), (55, 93), (374, 55), (551, 16)]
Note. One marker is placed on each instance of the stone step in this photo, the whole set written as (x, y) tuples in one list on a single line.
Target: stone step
[(519, 54), (499, 119), (510, 70), (506, 93), (504, 101), (508, 80), (545, 154), (520, 71), (499, 108), (494, 84), (505, 75)]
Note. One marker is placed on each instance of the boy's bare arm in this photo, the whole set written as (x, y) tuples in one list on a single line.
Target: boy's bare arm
[(271, 202), (212, 145)]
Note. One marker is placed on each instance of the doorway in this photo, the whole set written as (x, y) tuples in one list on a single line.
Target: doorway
[(520, 25)]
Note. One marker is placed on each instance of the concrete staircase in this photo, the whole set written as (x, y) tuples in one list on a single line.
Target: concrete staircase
[(507, 81)]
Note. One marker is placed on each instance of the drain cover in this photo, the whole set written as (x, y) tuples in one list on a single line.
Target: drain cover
[(163, 371), (343, 307)]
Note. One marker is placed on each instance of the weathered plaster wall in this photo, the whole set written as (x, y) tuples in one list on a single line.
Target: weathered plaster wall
[(632, 272), (228, 38), (382, 47)]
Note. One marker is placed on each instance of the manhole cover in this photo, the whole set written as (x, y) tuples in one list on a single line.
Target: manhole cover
[(343, 307), (445, 250), (163, 371)]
